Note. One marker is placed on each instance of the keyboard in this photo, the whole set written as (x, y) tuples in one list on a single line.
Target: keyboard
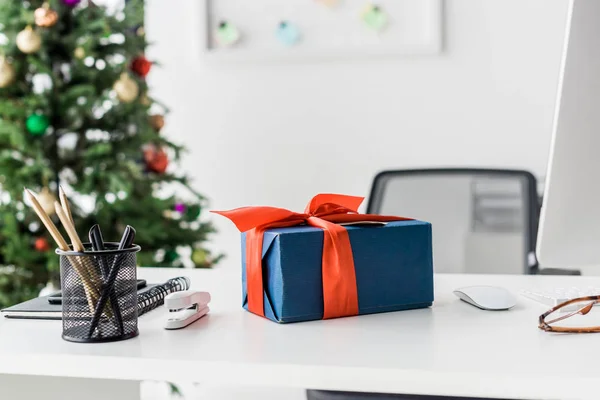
[(554, 296)]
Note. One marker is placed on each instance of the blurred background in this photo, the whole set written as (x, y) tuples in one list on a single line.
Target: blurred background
[(277, 131)]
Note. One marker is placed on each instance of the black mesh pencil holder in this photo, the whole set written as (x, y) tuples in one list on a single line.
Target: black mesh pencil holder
[(99, 294)]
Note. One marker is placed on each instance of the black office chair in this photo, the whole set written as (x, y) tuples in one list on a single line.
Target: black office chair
[(485, 220), (327, 395)]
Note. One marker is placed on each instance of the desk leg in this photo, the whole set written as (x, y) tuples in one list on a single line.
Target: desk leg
[(25, 387)]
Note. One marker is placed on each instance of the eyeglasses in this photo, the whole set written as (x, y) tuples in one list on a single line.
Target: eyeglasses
[(570, 308)]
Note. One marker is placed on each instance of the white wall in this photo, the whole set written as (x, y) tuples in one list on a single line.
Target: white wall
[(277, 133)]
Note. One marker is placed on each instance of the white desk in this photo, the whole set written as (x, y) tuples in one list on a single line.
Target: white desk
[(450, 349)]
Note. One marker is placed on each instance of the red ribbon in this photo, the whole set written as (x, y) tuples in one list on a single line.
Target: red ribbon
[(340, 296)]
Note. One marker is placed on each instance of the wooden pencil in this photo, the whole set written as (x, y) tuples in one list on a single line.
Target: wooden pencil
[(91, 294), (64, 201), (68, 225), (54, 232), (78, 246)]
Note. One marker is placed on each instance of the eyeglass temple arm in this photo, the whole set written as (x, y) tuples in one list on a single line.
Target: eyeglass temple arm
[(583, 310)]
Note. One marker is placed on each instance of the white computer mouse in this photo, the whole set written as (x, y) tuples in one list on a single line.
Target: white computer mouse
[(491, 298)]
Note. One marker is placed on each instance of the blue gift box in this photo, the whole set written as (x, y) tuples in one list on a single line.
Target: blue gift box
[(393, 264)]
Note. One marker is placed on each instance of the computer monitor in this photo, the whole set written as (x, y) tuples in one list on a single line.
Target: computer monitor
[(569, 231)]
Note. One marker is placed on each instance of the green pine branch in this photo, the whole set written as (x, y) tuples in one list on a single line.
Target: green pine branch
[(93, 145)]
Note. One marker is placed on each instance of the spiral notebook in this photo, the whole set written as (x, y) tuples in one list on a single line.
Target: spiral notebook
[(149, 298)]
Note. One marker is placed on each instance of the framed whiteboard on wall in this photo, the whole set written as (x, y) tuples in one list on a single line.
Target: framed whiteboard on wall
[(413, 27)]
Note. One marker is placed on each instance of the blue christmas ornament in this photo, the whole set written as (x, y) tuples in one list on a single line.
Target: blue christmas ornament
[(288, 33)]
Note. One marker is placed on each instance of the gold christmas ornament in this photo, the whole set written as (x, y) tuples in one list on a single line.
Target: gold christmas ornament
[(28, 40), (145, 100), (79, 53), (127, 89), (44, 16), (46, 200), (200, 258), (157, 121), (7, 72), (140, 31)]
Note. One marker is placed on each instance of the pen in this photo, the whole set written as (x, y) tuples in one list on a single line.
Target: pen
[(125, 243), (97, 242)]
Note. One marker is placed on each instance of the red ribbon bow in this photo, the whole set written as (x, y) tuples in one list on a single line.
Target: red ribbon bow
[(340, 296)]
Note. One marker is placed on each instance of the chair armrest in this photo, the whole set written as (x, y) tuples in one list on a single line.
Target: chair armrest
[(558, 271)]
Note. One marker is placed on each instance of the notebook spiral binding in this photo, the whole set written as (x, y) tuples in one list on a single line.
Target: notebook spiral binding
[(155, 296)]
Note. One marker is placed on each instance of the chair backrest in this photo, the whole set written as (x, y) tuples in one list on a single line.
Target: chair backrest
[(484, 220)]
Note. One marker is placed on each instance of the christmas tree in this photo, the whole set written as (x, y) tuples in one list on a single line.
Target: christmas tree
[(75, 111)]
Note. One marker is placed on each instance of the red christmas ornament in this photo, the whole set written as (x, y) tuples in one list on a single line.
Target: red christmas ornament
[(41, 244), (156, 160), (141, 66)]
